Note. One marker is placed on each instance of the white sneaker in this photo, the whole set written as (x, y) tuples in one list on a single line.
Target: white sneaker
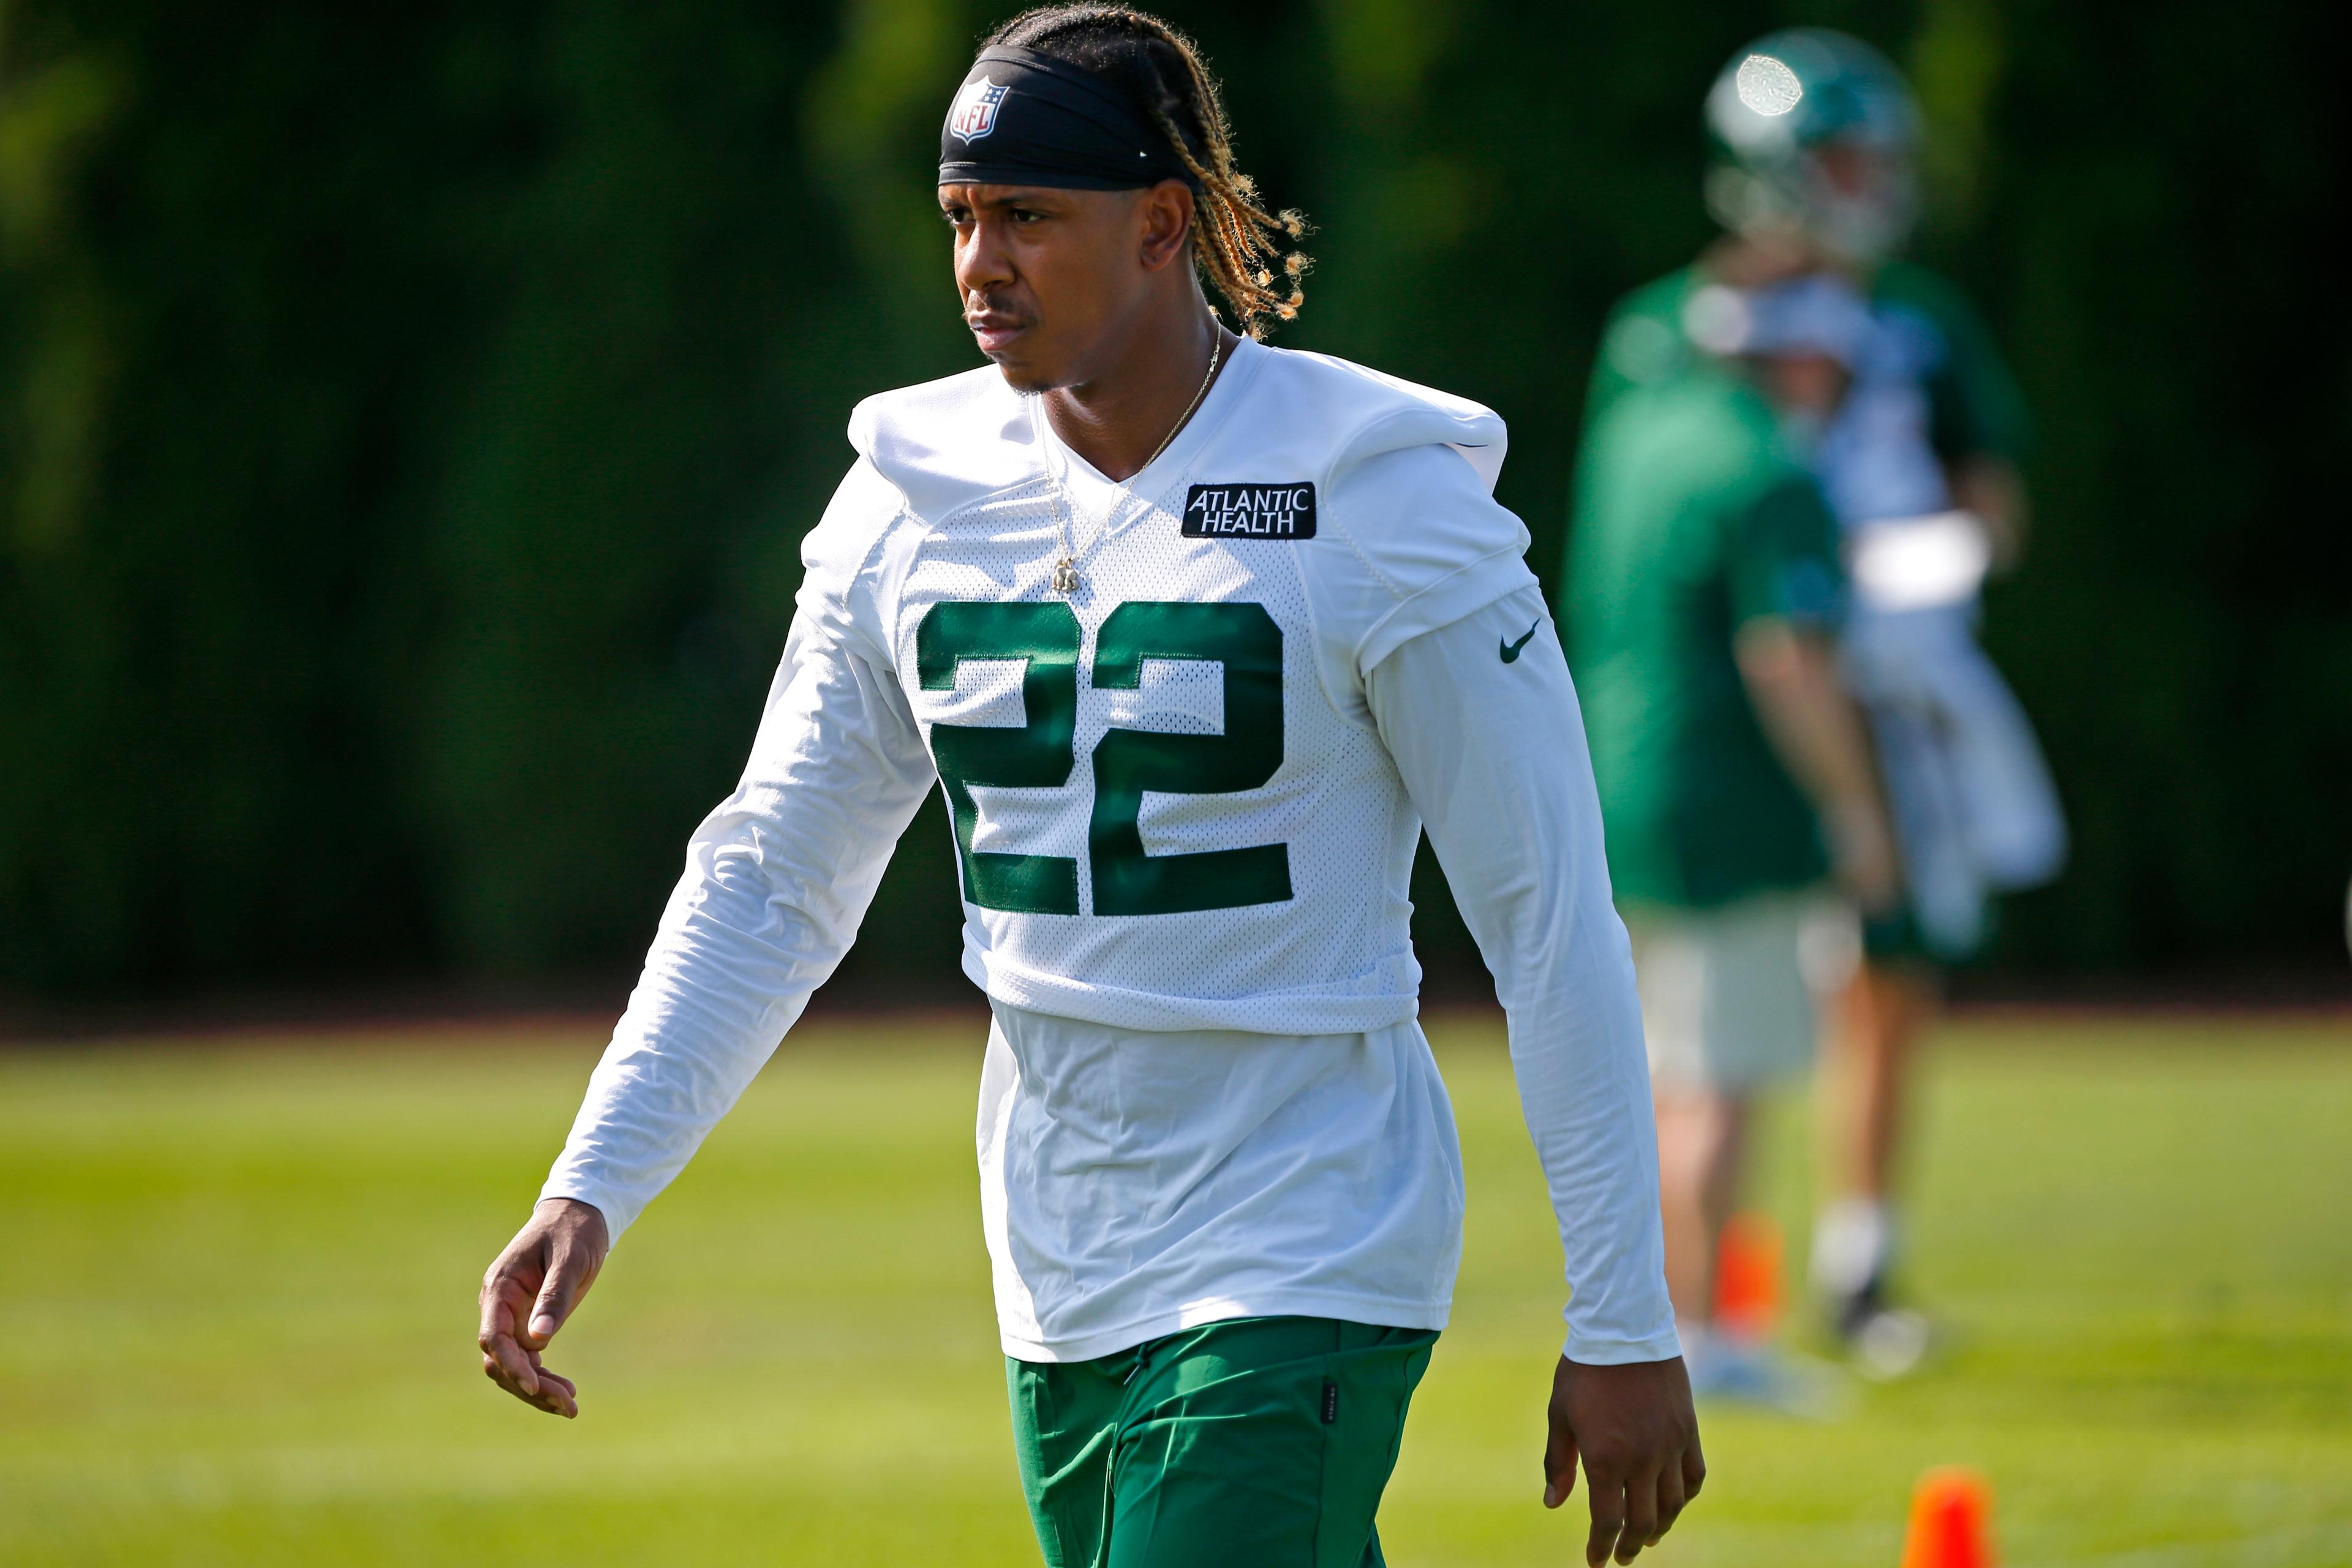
[(1888, 1343)]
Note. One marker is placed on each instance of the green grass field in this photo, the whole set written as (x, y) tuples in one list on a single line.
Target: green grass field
[(236, 1301)]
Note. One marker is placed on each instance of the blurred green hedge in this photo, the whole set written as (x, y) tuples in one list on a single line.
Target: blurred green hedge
[(408, 416)]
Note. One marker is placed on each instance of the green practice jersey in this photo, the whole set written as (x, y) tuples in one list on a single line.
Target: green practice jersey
[(1692, 518), (1975, 407)]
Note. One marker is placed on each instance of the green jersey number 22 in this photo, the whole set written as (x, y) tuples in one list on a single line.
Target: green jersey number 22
[(1041, 753)]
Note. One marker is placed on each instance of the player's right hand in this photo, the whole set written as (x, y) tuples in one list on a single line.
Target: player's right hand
[(1863, 856), (530, 1292)]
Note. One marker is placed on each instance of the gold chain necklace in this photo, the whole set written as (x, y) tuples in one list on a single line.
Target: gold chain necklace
[(1064, 580)]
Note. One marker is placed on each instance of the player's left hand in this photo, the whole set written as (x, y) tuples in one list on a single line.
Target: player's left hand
[(1639, 1436)]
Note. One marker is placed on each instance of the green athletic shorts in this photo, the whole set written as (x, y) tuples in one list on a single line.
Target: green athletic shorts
[(1254, 1442)]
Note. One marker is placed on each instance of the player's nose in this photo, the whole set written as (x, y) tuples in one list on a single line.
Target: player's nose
[(982, 262)]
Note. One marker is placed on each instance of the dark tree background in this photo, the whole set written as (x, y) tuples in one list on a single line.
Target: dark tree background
[(408, 416)]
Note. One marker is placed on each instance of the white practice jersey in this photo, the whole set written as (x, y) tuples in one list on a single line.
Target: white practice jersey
[(1171, 809), (1185, 800)]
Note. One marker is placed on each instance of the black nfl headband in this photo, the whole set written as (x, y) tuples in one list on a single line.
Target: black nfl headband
[(1026, 119)]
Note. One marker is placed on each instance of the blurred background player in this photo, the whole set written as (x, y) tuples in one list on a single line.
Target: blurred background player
[(1704, 594), (1814, 136)]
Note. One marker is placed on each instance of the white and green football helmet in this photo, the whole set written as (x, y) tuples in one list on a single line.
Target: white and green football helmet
[(1814, 134)]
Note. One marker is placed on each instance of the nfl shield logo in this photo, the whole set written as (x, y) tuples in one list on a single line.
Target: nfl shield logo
[(973, 113)]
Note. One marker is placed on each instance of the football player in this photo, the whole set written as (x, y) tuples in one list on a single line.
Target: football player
[(1197, 636), (1704, 593), (1815, 136)]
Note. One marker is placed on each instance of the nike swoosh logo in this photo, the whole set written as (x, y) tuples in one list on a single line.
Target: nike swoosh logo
[(1511, 650)]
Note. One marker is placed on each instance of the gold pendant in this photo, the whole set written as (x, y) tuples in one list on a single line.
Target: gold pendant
[(1065, 577)]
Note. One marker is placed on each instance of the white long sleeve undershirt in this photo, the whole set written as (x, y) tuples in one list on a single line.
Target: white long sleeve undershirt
[(1494, 756)]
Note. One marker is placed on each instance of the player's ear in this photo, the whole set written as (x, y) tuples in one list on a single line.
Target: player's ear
[(1163, 224)]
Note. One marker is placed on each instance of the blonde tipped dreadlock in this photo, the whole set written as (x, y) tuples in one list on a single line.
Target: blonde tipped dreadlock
[(1236, 243)]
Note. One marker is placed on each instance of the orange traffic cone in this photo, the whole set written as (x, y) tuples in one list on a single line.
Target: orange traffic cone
[(1951, 1522), (1748, 1277)]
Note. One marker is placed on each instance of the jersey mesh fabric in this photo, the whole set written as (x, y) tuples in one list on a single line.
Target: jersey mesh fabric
[(974, 523)]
